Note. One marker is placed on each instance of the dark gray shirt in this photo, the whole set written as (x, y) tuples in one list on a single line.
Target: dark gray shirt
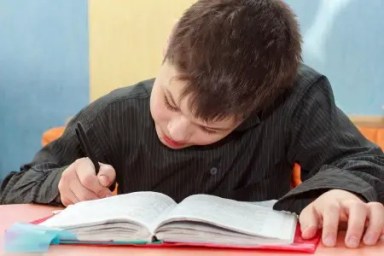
[(252, 163)]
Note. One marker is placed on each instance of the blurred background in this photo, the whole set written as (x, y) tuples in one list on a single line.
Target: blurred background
[(57, 56)]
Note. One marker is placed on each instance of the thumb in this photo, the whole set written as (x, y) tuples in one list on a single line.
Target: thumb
[(309, 222), (106, 175)]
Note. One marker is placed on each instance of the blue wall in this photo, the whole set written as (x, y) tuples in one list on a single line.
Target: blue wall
[(44, 74), (344, 39)]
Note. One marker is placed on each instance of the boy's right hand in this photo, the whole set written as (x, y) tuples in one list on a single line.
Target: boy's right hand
[(79, 182)]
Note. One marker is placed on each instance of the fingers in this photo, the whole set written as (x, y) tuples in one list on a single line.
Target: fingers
[(335, 207), (74, 196), (82, 193), (69, 198), (365, 221), (357, 215), (79, 182), (330, 213), (375, 227), (309, 222), (107, 175), (87, 177)]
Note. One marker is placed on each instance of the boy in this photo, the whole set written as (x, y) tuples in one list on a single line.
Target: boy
[(230, 112)]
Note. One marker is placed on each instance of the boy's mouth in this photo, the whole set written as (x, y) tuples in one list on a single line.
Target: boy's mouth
[(171, 143)]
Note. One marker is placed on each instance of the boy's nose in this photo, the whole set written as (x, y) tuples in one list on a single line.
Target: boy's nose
[(179, 129)]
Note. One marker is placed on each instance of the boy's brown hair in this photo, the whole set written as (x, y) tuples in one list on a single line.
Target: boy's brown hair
[(236, 56)]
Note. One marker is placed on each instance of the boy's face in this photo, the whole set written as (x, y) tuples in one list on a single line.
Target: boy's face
[(175, 124)]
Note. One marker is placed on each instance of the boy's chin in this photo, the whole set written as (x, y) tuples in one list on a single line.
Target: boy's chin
[(173, 147)]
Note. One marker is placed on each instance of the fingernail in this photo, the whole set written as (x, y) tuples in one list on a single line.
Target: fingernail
[(305, 228), (103, 180), (329, 241), (353, 242), (382, 238), (368, 240), (309, 231)]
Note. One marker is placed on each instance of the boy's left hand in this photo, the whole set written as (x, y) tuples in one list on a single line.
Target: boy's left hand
[(365, 221)]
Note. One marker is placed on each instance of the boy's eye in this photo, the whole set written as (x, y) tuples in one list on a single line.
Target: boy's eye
[(208, 130), (168, 105)]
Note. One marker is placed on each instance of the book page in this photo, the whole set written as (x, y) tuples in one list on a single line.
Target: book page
[(243, 217), (138, 209)]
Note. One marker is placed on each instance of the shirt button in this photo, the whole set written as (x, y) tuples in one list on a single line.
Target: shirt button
[(213, 171)]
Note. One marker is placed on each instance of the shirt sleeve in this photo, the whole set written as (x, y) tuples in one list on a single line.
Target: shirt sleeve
[(332, 153), (37, 182)]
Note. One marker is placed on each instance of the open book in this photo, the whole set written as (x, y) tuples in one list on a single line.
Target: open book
[(147, 217)]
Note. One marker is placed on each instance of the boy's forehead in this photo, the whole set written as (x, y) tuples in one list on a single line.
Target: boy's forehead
[(169, 70), (173, 85), (223, 123), (227, 123)]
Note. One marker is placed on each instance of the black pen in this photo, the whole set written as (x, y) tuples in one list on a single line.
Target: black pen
[(86, 147)]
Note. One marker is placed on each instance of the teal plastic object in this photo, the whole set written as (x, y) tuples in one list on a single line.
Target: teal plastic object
[(25, 237)]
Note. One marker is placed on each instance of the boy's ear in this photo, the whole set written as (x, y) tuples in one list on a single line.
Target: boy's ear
[(165, 48)]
